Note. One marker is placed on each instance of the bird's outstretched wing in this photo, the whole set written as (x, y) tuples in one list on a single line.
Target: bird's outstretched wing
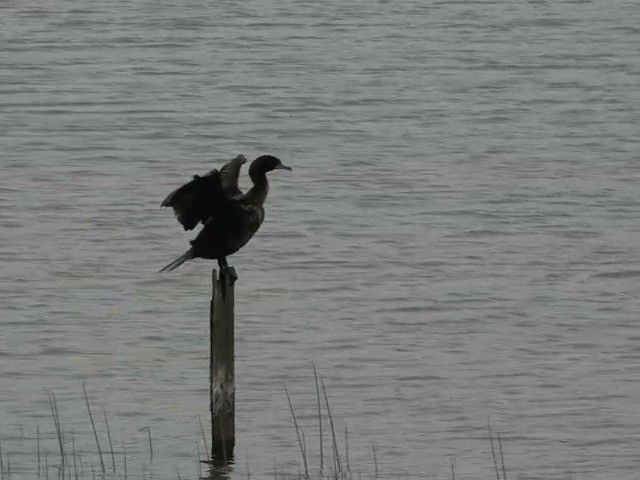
[(229, 175), (198, 200)]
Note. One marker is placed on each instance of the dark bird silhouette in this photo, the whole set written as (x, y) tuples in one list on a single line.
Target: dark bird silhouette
[(230, 217)]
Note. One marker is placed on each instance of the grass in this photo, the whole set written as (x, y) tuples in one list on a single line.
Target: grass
[(74, 465), (493, 454), (93, 427), (340, 468), (70, 464)]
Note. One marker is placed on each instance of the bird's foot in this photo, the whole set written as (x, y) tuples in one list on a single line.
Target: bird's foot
[(231, 271), (225, 269)]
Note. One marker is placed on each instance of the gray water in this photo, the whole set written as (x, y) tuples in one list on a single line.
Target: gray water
[(458, 240)]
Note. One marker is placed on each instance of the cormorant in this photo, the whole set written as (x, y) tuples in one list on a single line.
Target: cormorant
[(230, 217)]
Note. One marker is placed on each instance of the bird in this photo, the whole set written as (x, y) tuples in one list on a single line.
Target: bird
[(230, 217)]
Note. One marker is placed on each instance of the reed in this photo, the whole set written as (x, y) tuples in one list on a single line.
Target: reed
[(303, 452), (74, 465), (346, 448), (75, 457), (124, 459), (336, 455), (493, 451), (148, 430), (199, 466), (93, 427), (375, 461), (304, 445), (38, 448), (315, 376), (113, 457), (1, 464), (204, 440), (56, 422), (247, 462), (504, 470)]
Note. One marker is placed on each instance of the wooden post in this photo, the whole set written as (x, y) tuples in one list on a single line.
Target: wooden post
[(222, 387)]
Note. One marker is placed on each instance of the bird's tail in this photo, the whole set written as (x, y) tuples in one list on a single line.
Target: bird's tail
[(186, 256)]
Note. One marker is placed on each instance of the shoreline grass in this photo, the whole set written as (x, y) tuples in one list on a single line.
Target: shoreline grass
[(74, 464)]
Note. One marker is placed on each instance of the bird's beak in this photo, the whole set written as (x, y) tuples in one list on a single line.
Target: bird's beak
[(282, 167)]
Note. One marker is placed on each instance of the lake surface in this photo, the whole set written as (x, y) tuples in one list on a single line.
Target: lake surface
[(458, 241)]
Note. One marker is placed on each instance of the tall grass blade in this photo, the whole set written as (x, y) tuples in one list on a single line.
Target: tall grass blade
[(75, 461), (38, 447), (124, 454), (204, 439), (113, 457), (336, 454), (504, 470), (248, 469), (346, 448), (93, 427), (1, 464), (315, 376), (304, 442), (56, 422), (199, 462), (300, 444), (148, 429), (493, 451), (375, 461)]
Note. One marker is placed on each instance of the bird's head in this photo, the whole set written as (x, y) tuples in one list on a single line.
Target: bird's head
[(264, 164)]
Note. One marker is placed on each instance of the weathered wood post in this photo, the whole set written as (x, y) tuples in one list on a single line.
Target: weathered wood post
[(222, 387)]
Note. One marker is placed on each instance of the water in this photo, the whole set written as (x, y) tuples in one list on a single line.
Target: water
[(458, 239)]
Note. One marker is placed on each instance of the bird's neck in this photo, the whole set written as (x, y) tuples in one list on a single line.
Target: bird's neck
[(258, 193)]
